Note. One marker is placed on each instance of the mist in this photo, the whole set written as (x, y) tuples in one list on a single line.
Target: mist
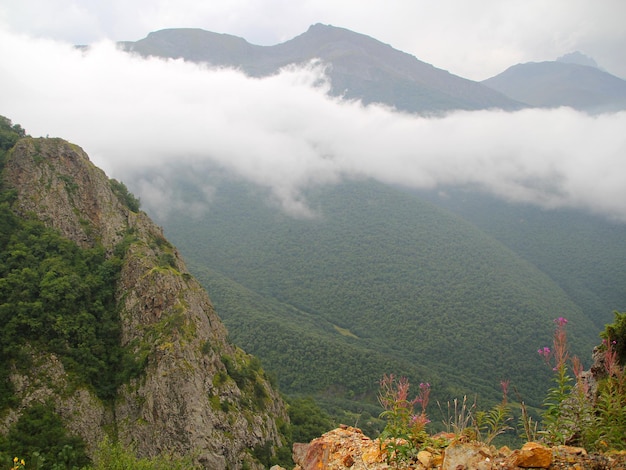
[(138, 118)]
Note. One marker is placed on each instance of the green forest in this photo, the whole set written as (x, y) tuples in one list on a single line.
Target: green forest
[(583, 253), (381, 281)]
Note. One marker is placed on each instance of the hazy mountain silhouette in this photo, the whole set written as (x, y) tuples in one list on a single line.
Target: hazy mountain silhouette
[(360, 67), (565, 82)]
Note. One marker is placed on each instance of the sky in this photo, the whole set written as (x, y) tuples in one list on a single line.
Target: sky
[(474, 39), (139, 117)]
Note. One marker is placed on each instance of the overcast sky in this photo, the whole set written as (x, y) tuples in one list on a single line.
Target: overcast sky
[(474, 39), (283, 132)]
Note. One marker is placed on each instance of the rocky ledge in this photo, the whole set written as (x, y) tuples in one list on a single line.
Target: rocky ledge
[(348, 448)]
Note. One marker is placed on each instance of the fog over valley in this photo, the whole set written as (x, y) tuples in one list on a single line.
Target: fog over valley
[(136, 116)]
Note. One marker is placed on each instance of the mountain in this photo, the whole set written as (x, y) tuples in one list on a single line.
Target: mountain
[(564, 82), (360, 67), (104, 330), (381, 281), (386, 280)]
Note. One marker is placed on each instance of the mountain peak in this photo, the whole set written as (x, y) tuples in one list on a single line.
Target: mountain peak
[(564, 82), (578, 58)]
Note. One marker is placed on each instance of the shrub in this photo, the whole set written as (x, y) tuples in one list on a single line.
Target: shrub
[(124, 195), (41, 440), (114, 456)]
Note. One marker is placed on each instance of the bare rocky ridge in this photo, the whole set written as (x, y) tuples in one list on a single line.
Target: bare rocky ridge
[(185, 402)]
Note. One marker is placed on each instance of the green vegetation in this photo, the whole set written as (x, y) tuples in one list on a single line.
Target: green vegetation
[(574, 413), (247, 373), (40, 438), (307, 420), (380, 281), (109, 456), (114, 456), (582, 253), (124, 195), (615, 335), (9, 134), (426, 294), (59, 298)]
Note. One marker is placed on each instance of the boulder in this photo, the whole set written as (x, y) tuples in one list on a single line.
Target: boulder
[(342, 448), (531, 455), (468, 455)]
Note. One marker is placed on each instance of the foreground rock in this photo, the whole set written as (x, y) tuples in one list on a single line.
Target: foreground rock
[(348, 448), (344, 447)]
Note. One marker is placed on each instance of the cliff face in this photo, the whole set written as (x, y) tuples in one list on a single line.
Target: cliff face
[(197, 394)]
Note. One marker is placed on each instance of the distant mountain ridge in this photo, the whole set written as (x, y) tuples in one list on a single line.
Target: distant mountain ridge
[(360, 67), (366, 69), (562, 83)]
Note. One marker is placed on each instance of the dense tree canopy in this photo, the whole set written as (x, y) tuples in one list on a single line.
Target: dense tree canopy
[(379, 282)]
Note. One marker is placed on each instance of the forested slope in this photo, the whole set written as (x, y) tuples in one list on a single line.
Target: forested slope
[(583, 253), (403, 282)]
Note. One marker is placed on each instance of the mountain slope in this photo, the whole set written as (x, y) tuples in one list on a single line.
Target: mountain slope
[(554, 84), (584, 254), (393, 275), (360, 66), (181, 386)]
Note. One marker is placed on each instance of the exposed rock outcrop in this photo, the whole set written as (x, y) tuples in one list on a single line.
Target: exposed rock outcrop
[(347, 448), (344, 447), (187, 400)]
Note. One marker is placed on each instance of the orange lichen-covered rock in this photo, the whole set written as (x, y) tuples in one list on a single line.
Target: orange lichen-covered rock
[(342, 448), (531, 455)]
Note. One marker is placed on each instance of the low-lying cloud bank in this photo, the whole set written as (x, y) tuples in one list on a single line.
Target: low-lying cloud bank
[(137, 116)]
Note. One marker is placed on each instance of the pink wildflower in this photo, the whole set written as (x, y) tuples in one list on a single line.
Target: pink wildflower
[(561, 321), (423, 396), (561, 353), (545, 353), (419, 421), (610, 360)]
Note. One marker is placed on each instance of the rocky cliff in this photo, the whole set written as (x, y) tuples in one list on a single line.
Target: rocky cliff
[(196, 394)]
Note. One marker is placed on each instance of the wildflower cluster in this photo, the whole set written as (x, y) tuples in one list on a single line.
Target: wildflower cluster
[(576, 415), (405, 433), (405, 430)]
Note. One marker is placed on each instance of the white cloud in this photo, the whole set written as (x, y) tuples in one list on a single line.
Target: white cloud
[(136, 116)]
